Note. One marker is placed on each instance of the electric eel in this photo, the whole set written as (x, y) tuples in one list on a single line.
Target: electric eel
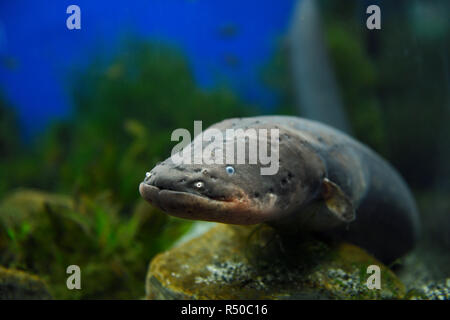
[(326, 183)]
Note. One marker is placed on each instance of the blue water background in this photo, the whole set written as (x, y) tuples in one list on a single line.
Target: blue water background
[(38, 51)]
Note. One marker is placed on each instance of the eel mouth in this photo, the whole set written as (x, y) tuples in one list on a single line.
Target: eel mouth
[(153, 194), (198, 207)]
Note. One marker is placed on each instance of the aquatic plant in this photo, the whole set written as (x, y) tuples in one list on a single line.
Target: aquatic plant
[(45, 233)]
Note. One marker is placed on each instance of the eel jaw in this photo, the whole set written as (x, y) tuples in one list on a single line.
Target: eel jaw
[(197, 207)]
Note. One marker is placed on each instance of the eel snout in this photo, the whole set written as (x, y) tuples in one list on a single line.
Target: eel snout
[(148, 192)]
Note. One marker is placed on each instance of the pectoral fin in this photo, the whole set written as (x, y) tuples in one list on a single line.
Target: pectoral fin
[(337, 201)]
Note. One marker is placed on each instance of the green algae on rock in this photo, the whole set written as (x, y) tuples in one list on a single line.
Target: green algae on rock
[(43, 233), (236, 262), (18, 285)]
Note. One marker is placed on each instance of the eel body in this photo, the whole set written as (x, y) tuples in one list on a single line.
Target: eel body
[(326, 183)]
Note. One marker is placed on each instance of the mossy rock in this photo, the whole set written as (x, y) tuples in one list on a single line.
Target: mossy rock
[(236, 262), (34, 201), (22, 215), (18, 285), (43, 233)]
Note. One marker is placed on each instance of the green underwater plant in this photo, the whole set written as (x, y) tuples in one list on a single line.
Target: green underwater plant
[(44, 233)]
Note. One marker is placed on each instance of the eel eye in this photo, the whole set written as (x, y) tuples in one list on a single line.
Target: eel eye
[(199, 185), (148, 174), (230, 170)]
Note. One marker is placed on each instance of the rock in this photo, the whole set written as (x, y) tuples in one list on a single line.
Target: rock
[(34, 201), (25, 216), (433, 290), (18, 285), (237, 262)]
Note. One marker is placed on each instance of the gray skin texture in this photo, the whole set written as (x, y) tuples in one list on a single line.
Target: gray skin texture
[(327, 184)]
